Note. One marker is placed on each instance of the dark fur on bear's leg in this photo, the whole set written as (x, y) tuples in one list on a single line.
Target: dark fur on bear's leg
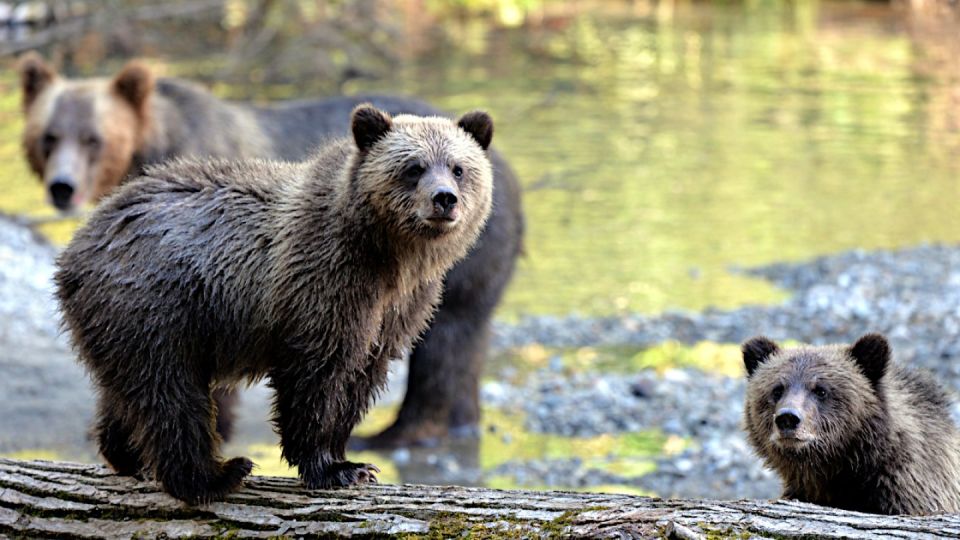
[(226, 400), (465, 412), (114, 440), (319, 450), (187, 472), (181, 446)]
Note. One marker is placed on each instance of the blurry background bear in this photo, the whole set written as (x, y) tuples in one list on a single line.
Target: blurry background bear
[(693, 174)]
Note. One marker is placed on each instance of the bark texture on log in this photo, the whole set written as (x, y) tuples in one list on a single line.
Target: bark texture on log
[(67, 500)]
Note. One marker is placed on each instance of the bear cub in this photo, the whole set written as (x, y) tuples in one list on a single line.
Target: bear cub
[(201, 275), (843, 426)]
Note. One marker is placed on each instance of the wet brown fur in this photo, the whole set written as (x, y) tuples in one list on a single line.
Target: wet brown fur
[(202, 275), (873, 437), (177, 118)]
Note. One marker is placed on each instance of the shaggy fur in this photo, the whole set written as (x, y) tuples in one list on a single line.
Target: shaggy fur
[(314, 275), (139, 120), (844, 427)]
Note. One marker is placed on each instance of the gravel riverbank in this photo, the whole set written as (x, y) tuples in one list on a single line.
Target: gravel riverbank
[(913, 295)]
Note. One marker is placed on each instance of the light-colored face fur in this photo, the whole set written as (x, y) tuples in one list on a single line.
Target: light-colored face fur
[(81, 135), (806, 404), (426, 174)]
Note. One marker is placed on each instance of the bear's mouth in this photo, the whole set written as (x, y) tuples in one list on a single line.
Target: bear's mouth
[(443, 223), (793, 440), (434, 227)]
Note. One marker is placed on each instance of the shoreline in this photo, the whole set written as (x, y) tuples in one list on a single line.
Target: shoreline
[(911, 294)]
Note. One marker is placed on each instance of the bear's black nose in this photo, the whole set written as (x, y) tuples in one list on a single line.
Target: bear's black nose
[(787, 419), (61, 191), (444, 200)]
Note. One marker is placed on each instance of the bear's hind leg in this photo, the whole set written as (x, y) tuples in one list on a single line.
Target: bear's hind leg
[(226, 400), (180, 444), (114, 439)]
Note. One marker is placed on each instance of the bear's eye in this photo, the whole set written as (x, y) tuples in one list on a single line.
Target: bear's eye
[(91, 141), (777, 392), (820, 391), (48, 142), (457, 171), (413, 171)]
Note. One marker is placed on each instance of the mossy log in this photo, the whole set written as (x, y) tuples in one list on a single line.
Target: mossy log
[(67, 500)]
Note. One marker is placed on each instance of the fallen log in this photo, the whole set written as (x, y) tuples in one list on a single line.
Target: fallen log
[(68, 500)]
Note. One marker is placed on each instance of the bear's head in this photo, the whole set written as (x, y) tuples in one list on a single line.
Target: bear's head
[(81, 135), (428, 177), (811, 402)]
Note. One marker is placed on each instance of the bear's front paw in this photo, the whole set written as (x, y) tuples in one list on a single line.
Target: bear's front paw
[(343, 474)]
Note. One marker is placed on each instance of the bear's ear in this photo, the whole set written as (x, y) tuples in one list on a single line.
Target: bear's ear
[(479, 125), (756, 351), (35, 76), (134, 84), (369, 124), (872, 353)]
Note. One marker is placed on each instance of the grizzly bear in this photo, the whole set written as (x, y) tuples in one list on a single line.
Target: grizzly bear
[(204, 274), (843, 426), (84, 136)]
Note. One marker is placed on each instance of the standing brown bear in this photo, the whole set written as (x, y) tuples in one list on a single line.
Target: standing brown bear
[(83, 137), (845, 427), (205, 274)]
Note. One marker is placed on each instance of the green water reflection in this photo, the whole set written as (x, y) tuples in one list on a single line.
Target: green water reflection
[(523, 362), (657, 149)]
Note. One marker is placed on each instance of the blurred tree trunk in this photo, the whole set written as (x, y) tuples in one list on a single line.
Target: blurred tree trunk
[(45, 499), (933, 27)]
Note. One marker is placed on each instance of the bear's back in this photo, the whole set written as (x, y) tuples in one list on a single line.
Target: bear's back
[(190, 121), (919, 460), (922, 407), (189, 241), (186, 203), (923, 390)]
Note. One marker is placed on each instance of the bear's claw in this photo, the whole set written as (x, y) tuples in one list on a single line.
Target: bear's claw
[(344, 474)]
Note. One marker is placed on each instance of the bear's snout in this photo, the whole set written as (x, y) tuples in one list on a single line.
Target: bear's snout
[(788, 419), (444, 203), (61, 192)]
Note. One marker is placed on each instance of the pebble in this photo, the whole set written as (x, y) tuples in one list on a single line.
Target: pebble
[(400, 456)]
